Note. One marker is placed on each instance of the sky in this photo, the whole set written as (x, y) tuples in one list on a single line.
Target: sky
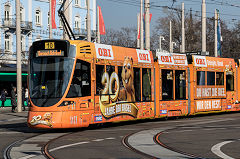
[(123, 13)]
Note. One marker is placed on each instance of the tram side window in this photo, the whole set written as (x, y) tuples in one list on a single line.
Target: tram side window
[(201, 78), (219, 78), (180, 84), (99, 73), (146, 84), (137, 84), (167, 84), (211, 78), (230, 83), (81, 81)]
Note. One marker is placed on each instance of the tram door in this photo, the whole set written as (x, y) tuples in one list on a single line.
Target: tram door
[(81, 86), (231, 98)]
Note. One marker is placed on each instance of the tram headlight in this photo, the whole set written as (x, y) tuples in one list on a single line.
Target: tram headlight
[(65, 103)]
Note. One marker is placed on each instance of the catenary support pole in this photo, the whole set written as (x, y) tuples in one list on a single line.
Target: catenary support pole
[(147, 24), (66, 13), (141, 25), (170, 37), (50, 19), (203, 26), (215, 34), (183, 29), (98, 25), (88, 21), (19, 65)]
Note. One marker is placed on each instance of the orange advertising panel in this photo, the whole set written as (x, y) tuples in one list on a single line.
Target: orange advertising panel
[(116, 53), (208, 105), (172, 59), (205, 61)]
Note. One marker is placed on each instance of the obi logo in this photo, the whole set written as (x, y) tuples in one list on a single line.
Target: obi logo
[(200, 61), (163, 111), (166, 59), (143, 57), (98, 118), (229, 107), (104, 52)]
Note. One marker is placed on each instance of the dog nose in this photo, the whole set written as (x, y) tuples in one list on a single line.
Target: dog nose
[(125, 70)]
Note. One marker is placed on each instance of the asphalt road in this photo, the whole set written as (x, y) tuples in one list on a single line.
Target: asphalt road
[(192, 136), (207, 137)]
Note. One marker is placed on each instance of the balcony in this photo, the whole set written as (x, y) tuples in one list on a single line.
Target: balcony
[(82, 33), (11, 24)]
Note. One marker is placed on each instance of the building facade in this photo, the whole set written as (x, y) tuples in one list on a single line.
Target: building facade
[(34, 15)]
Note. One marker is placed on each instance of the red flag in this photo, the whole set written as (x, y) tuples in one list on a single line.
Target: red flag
[(150, 18), (139, 26), (101, 22), (53, 7)]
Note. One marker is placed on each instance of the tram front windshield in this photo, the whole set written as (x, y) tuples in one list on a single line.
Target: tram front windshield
[(50, 75)]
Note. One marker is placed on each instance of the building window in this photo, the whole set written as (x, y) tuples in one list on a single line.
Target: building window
[(60, 24), (21, 14), (22, 43), (77, 3), (48, 19), (7, 43), (7, 12), (77, 22), (38, 17)]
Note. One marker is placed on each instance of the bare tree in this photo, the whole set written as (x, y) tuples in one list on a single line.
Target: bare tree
[(126, 37)]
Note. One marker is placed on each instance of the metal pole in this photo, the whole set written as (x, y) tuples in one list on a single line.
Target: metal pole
[(147, 24), (160, 43), (88, 22), (50, 19), (170, 37), (203, 26), (66, 13), (19, 65), (141, 25), (98, 31), (183, 29), (215, 34)]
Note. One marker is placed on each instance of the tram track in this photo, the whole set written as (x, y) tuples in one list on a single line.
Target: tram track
[(157, 141), (127, 145), (29, 147)]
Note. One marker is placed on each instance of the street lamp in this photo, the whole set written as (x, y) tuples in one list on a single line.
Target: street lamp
[(160, 42)]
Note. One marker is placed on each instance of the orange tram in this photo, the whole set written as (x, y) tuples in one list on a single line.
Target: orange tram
[(76, 83)]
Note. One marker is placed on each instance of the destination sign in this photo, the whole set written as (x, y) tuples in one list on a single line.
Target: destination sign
[(43, 53)]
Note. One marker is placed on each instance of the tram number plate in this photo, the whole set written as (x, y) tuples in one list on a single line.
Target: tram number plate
[(49, 45)]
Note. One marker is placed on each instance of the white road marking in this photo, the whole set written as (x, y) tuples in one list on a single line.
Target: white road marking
[(70, 145), (216, 149), (80, 143), (97, 140), (26, 157), (110, 138), (9, 133)]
